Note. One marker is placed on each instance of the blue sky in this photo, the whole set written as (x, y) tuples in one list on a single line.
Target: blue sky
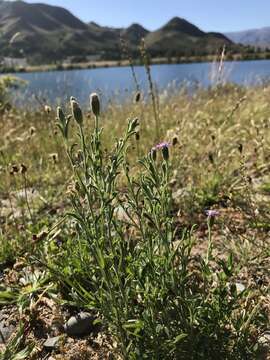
[(210, 15)]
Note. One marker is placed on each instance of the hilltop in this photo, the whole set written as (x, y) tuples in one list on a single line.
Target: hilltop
[(180, 37), (51, 33)]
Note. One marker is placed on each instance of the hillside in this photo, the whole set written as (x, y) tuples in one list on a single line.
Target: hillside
[(51, 33), (134, 33), (254, 37), (179, 37)]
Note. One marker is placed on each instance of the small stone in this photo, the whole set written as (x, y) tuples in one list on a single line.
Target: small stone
[(240, 287), (264, 345), (80, 325), (121, 214), (5, 332), (264, 339), (52, 343)]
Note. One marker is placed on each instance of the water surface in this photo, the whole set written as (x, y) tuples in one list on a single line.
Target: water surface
[(117, 84)]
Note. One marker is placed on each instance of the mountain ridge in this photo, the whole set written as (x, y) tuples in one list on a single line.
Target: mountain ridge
[(259, 37), (52, 33)]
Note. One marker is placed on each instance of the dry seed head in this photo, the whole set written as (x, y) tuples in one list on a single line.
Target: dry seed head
[(47, 109), (76, 112), (60, 115), (211, 158), (32, 130), (137, 97), (79, 156), (175, 140), (71, 189), (54, 157), (23, 169), (95, 104), (240, 148), (14, 170), (134, 124)]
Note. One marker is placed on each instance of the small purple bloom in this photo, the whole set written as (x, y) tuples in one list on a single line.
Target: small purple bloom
[(212, 213), (161, 146)]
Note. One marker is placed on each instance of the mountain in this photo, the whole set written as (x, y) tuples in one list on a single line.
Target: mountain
[(255, 37), (50, 32), (179, 37), (134, 33), (45, 33), (40, 17)]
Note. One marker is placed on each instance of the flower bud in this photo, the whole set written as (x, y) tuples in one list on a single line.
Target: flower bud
[(153, 154), (240, 148), (60, 115), (133, 124), (76, 112), (95, 104), (165, 153), (137, 97)]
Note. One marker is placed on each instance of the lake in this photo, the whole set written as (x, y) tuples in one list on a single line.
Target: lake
[(117, 84)]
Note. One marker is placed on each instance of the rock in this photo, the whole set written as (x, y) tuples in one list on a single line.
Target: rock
[(240, 287), (179, 194), (5, 332), (121, 215), (80, 325), (264, 345), (52, 343), (12, 207)]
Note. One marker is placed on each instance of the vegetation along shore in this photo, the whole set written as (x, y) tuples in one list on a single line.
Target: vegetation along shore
[(120, 63)]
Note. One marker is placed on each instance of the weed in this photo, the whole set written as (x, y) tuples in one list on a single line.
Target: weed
[(126, 262)]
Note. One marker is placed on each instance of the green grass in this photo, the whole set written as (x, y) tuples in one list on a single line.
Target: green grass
[(126, 236)]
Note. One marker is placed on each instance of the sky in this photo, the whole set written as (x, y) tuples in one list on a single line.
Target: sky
[(209, 15)]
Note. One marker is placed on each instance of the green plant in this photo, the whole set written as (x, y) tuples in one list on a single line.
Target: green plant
[(16, 349), (6, 84), (128, 261), (25, 294)]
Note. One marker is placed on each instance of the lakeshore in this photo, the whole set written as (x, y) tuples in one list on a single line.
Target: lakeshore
[(137, 62)]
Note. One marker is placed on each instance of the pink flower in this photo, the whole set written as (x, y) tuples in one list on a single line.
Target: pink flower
[(212, 213), (161, 146)]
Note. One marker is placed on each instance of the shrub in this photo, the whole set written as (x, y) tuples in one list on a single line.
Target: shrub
[(128, 261), (8, 83)]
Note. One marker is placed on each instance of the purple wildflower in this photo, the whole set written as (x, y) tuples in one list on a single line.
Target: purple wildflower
[(212, 213), (161, 145), (164, 147)]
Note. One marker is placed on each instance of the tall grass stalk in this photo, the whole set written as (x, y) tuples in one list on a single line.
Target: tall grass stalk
[(130, 61), (146, 63)]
